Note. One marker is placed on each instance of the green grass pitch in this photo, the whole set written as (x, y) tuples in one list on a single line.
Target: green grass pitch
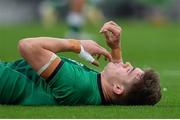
[(144, 45)]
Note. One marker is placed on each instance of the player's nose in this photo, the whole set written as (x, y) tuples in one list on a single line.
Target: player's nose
[(127, 64)]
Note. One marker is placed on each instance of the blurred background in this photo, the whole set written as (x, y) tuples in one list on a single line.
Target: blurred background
[(23, 11), (54, 11)]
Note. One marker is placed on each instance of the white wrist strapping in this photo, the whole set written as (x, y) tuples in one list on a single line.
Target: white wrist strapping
[(85, 55)]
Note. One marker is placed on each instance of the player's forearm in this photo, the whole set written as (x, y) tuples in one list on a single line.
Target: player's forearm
[(53, 44), (38, 51)]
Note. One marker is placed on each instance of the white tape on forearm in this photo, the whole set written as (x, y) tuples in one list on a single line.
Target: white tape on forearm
[(43, 68), (85, 55)]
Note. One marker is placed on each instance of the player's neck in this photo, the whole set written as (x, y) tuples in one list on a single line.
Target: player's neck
[(105, 88)]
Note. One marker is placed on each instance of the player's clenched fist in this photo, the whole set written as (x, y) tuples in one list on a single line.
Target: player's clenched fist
[(112, 33)]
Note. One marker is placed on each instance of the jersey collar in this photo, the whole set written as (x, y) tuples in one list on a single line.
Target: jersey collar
[(100, 89)]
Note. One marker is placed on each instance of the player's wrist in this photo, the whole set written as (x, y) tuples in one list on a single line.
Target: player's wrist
[(75, 45), (116, 54), (87, 56), (114, 45)]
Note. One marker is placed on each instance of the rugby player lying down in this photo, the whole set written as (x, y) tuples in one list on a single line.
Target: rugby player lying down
[(47, 79)]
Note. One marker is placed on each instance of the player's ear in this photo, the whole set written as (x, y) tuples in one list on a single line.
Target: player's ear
[(118, 89)]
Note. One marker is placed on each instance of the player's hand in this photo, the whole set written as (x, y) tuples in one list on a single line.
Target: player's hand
[(112, 33), (95, 49)]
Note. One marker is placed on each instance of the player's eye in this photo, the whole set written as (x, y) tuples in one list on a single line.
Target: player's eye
[(132, 70)]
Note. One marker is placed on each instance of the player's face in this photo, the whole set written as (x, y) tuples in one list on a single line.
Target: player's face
[(123, 73)]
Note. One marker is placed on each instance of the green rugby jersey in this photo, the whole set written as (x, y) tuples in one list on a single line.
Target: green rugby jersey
[(20, 84), (73, 83), (70, 84)]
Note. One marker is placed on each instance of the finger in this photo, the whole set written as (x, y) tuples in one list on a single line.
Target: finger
[(107, 35), (119, 28), (96, 63), (107, 55), (103, 29), (94, 55), (98, 56), (103, 51), (110, 37), (111, 23), (115, 30)]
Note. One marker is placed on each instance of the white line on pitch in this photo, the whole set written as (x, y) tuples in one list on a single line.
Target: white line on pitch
[(170, 72)]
